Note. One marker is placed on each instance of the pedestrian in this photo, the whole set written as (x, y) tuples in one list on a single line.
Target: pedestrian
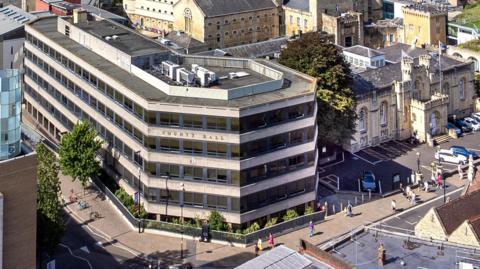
[(311, 228), (402, 189), (414, 198), (381, 255), (439, 181), (460, 171), (271, 243), (256, 250), (432, 178), (349, 209), (425, 185), (408, 190), (260, 244), (394, 206)]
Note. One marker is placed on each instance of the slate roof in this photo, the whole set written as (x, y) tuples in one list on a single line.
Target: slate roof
[(475, 223), (394, 53), (474, 186), (298, 4), (363, 51), (257, 50), (214, 8), (279, 257), (455, 212)]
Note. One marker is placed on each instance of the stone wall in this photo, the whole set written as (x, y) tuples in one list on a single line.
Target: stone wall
[(464, 235), (429, 227)]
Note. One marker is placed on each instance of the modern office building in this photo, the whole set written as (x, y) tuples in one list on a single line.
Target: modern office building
[(10, 111), (240, 134)]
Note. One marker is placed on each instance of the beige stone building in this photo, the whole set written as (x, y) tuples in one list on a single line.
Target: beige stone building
[(347, 28), (151, 16), (424, 24), (315, 15), (383, 33), (398, 93), (224, 23), (457, 221)]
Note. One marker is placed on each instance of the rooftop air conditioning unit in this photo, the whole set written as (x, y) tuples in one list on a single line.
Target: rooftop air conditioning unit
[(183, 75), (205, 76), (195, 68), (169, 69)]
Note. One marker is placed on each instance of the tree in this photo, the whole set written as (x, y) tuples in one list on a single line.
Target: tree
[(290, 214), (314, 55), (78, 151), (216, 221), (50, 227)]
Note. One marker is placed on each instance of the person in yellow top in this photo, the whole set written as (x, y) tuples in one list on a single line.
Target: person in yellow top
[(260, 244)]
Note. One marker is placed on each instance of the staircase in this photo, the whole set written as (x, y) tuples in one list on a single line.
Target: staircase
[(442, 139)]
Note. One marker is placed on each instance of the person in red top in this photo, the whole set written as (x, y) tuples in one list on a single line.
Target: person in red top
[(439, 181)]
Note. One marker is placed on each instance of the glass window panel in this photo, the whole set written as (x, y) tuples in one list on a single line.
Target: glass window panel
[(192, 121), (194, 147), (128, 103)]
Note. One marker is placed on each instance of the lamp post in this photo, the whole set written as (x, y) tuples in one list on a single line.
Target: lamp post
[(418, 162), (181, 218), (137, 153)]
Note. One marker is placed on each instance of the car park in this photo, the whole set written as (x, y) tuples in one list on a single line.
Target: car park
[(472, 123), (452, 126), (446, 155), (368, 181), (459, 150)]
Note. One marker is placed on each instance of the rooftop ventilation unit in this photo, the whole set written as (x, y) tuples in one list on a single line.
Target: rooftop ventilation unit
[(205, 76), (108, 38), (241, 74), (169, 69), (185, 76), (114, 37)]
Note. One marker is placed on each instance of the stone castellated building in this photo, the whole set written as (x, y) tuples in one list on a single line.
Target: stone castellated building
[(399, 92)]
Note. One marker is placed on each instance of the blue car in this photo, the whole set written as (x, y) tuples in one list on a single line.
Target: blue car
[(452, 126), (368, 181), (463, 126), (459, 150)]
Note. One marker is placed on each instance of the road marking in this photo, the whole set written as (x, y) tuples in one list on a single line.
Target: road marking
[(85, 249), (78, 257), (365, 160), (411, 223)]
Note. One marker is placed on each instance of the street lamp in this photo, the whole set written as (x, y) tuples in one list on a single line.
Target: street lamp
[(137, 153), (181, 217), (418, 162)]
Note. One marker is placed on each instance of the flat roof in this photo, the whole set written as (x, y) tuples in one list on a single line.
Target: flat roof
[(279, 257), (295, 84), (12, 18), (129, 42), (362, 252)]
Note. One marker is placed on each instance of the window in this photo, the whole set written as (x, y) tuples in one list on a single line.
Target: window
[(362, 120), (192, 121), (169, 144), (169, 119), (461, 88), (193, 172), (194, 147), (216, 123), (216, 149), (383, 113), (291, 19), (305, 23), (193, 198)]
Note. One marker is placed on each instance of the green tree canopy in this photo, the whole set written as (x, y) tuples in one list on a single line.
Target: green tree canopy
[(50, 227), (77, 153), (217, 221), (314, 55)]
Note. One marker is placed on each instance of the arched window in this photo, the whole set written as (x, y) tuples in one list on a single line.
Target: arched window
[(187, 14), (383, 113), (461, 89), (362, 120)]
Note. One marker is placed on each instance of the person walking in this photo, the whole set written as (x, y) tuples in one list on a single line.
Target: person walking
[(256, 250), (394, 206), (311, 228), (402, 189), (349, 209), (414, 198), (381, 255), (271, 243), (439, 181), (260, 244), (409, 192), (425, 186)]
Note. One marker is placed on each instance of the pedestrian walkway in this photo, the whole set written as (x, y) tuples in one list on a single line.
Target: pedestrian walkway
[(114, 229)]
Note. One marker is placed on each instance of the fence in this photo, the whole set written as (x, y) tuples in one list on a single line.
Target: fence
[(244, 239)]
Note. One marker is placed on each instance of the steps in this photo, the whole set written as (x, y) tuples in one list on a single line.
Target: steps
[(442, 139)]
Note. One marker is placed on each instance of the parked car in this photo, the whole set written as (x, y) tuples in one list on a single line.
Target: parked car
[(463, 126), (368, 181), (452, 126), (446, 155), (472, 123), (459, 150), (476, 116)]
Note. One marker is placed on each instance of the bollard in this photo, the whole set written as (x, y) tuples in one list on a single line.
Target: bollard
[(341, 206), (363, 198), (369, 194), (356, 202), (333, 208), (359, 186), (326, 209)]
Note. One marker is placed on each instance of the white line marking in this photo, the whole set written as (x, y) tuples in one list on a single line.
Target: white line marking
[(411, 223), (365, 160), (78, 257), (332, 164)]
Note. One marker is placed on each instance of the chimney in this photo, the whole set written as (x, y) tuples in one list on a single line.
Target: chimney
[(79, 15)]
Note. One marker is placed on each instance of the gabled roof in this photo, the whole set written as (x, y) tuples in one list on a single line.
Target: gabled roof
[(214, 8), (473, 186), (455, 212), (363, 51), (475, 224), (303, 5), (279, 257)]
